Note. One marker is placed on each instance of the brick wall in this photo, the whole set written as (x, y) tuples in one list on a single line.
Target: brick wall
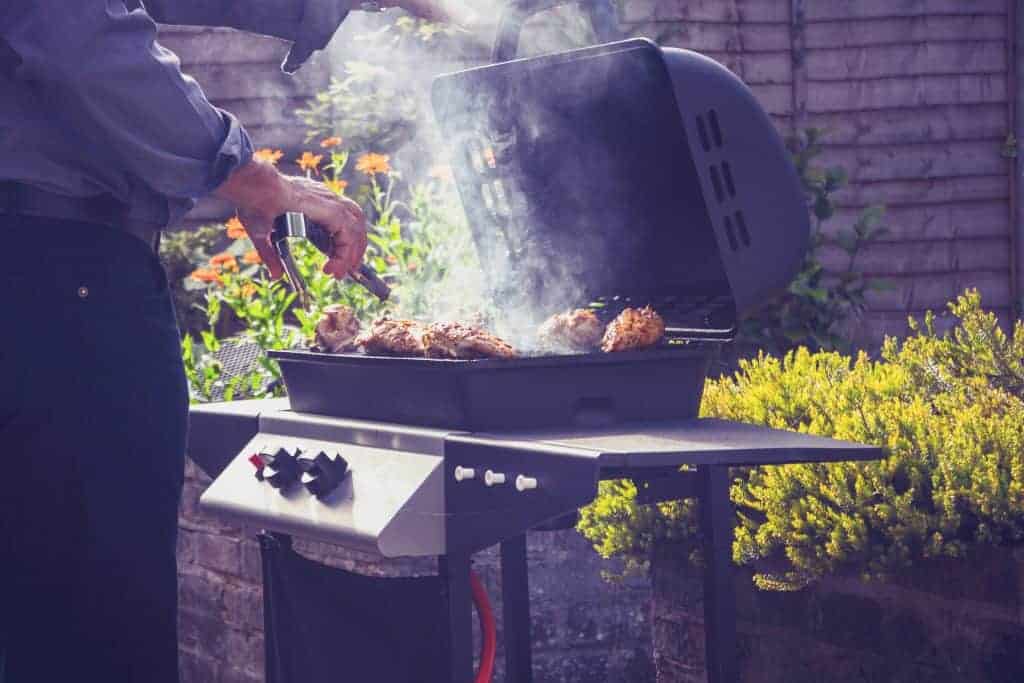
[(946, 620)]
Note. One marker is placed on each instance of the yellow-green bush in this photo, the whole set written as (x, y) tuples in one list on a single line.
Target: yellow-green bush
[(949, 409)]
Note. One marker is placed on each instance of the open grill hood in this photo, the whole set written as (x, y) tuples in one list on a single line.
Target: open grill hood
[(624, 174), (618, 175)]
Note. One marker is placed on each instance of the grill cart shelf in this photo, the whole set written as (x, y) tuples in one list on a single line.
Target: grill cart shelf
[(403, 497)]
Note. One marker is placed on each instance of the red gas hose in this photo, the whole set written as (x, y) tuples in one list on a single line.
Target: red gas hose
[(487, 629)]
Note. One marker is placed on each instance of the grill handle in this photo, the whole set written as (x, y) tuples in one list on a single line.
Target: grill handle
[(516, 12)]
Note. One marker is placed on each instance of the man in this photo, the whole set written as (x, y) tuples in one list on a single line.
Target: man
[(103, 142)]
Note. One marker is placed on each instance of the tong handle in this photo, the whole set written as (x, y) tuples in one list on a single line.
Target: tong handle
[(366, 276), (319, 236)]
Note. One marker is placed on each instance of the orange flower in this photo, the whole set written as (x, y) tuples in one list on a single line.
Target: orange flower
[(413, 267), (392, 259), (251, 257), (328, 143), (236, 229), (372, 164), (224, 261), (309, 161), (336, 186), (248, 289), (271, 156), (205, 275)]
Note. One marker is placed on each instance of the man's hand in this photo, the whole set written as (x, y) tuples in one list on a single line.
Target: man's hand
[(262, 194)]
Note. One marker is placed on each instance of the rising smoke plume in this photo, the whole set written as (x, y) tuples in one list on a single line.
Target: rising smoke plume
[(414, 63)]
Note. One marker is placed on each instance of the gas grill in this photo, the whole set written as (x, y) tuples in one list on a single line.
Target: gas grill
[(619, 175)]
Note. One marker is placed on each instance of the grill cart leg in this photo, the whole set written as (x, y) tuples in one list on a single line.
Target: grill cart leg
[(719, 593), (515, 603), (454, 571)]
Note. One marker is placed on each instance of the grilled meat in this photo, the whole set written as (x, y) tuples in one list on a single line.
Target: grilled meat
[(456, 340), (632, 330), (393, 338), (578, 330), (337, 329)]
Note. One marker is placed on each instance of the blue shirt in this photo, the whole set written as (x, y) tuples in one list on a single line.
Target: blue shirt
[(91, 104)]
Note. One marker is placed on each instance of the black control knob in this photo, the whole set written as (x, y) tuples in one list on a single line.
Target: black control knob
[(323, 473), (280, 470)]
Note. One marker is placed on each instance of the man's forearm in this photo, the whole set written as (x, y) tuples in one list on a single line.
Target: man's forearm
[(308, 24), (278, 18)]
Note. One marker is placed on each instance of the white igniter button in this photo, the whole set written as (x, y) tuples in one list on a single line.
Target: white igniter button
[(464, 473), (525, 483), (493, 478)]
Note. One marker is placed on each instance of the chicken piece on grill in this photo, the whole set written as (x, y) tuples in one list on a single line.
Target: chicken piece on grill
[(337, 329), (393, 338), (632, 330), (456, 340), (578, 330)]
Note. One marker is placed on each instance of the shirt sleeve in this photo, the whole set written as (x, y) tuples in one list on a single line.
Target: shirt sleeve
[(308, 24), (102, 73), (278, 18)]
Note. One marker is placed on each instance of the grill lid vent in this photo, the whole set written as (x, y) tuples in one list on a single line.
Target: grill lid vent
[(702, 131), (716, 130)]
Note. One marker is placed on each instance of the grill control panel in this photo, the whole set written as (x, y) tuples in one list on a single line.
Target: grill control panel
[(320, 474), (385, 501), (393, 491)]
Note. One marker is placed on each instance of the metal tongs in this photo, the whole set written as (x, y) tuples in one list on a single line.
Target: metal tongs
[(294, 224)]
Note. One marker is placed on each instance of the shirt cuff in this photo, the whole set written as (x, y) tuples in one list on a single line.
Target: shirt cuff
[(236, 151), (320, 21)]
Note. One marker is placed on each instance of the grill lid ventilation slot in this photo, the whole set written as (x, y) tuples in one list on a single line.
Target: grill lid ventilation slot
[(731, 234), (716, 181), (741, 223), (702, 131), (716, 130), (730, 186)]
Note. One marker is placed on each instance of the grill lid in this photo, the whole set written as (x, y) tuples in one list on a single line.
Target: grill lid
[(624, 174)]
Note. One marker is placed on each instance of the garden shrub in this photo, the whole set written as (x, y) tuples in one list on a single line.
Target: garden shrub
[(947, 407)]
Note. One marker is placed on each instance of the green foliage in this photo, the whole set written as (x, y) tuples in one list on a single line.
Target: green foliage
[(949, 410), (379, 103), (370, 106), (179, 252), (818, 303)]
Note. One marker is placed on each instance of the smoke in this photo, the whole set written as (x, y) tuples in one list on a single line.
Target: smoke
[(500, 285)]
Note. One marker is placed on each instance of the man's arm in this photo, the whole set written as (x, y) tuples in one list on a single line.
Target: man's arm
[(99, 67), (278, 18), (101, 73), (308, 24)]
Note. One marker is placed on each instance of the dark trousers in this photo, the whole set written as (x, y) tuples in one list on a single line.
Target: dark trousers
[(93, 410)]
